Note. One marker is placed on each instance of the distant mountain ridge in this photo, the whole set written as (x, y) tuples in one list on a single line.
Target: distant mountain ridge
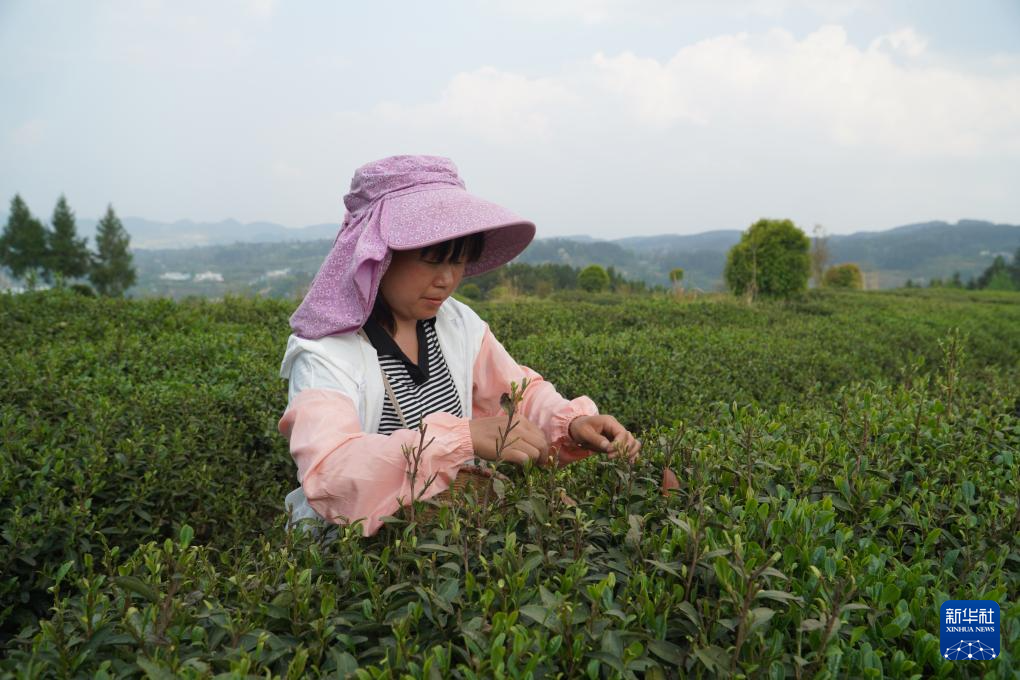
[(152, 235), (916, 251), (919, 251), (649, 257)]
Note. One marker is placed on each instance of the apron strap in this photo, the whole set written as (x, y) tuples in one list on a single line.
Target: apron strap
[(387, 386)]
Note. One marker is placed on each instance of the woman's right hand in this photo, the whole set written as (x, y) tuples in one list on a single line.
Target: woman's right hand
[(525, 441)]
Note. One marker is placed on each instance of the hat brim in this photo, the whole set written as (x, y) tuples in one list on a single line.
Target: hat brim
[(424, 218)]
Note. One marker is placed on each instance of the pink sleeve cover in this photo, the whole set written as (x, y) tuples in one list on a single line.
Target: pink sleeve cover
[(494, 369), (349, 475)]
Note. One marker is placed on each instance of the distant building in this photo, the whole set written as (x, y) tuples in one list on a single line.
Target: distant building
[(175, 276), (11, 285), (209, 276)]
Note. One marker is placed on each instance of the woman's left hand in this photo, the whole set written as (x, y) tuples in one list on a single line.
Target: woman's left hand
[(605, 434)]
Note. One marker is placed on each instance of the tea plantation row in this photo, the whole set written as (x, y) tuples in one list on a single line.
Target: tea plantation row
[(818, 524)]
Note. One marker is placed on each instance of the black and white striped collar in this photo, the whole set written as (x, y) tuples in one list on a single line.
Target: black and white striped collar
[(385, 345)]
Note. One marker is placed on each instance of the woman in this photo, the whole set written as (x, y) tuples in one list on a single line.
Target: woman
[(379, 346)]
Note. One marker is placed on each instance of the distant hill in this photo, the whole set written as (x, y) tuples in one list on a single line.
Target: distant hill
[(269, 269), (188, 258), (927, 250), (151, 235), (917, 251), (702, 267), (709, 240)]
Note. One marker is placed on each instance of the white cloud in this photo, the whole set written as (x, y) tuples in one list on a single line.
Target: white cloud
[(709, 134), (586, 11), (905, 41), (829, 10), (262, 9), (604, 11), (497, 106), (882, 98)]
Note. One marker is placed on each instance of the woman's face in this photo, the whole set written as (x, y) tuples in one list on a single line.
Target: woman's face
[(415, 287)]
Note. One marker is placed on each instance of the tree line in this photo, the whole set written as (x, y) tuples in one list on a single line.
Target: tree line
[(773, 258), (518, 278), (997, 276), (776, 258), (55, 254)]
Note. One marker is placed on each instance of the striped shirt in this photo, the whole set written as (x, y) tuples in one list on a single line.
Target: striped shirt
[(420, 389)]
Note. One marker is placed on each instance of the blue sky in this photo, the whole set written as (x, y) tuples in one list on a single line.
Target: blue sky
[(602, 117)]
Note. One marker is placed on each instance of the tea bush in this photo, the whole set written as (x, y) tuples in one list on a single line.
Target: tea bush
[(846, 462), (651, 360), (123, 420)]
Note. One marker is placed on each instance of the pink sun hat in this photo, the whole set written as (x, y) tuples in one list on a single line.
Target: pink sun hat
[(400, 203)]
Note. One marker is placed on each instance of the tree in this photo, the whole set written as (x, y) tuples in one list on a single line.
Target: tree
[(1001, 276), (770, 259), (819, 255), (593, 278), (1014, 269), (1000, 280), (23, 244), (676, 277), (615, 279), (112, 272), (471, 291), (846, 276), (68, 254), (998, 266)]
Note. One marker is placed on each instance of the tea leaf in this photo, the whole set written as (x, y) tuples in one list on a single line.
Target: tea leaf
[(138, 587)]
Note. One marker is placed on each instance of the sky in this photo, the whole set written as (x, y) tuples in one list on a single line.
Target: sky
[(609, 118)]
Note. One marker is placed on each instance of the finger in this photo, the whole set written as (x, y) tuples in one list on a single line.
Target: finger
[(526, 448), (545, 450), (634, 445), (543, 458), (616, 431), (534, 435), (593, 438), (514, 456), (527, 430), (521, 443), (612, 428), (624, 444), (611, 424)]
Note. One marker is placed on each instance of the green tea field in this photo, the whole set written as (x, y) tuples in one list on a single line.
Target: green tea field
[(844, 463)]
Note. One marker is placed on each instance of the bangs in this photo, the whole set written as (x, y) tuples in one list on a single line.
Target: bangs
[(462, 249)]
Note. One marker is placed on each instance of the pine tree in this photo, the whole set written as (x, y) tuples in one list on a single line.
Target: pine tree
[(68, 254), (23, 244), (112, 272), (998, 266)]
